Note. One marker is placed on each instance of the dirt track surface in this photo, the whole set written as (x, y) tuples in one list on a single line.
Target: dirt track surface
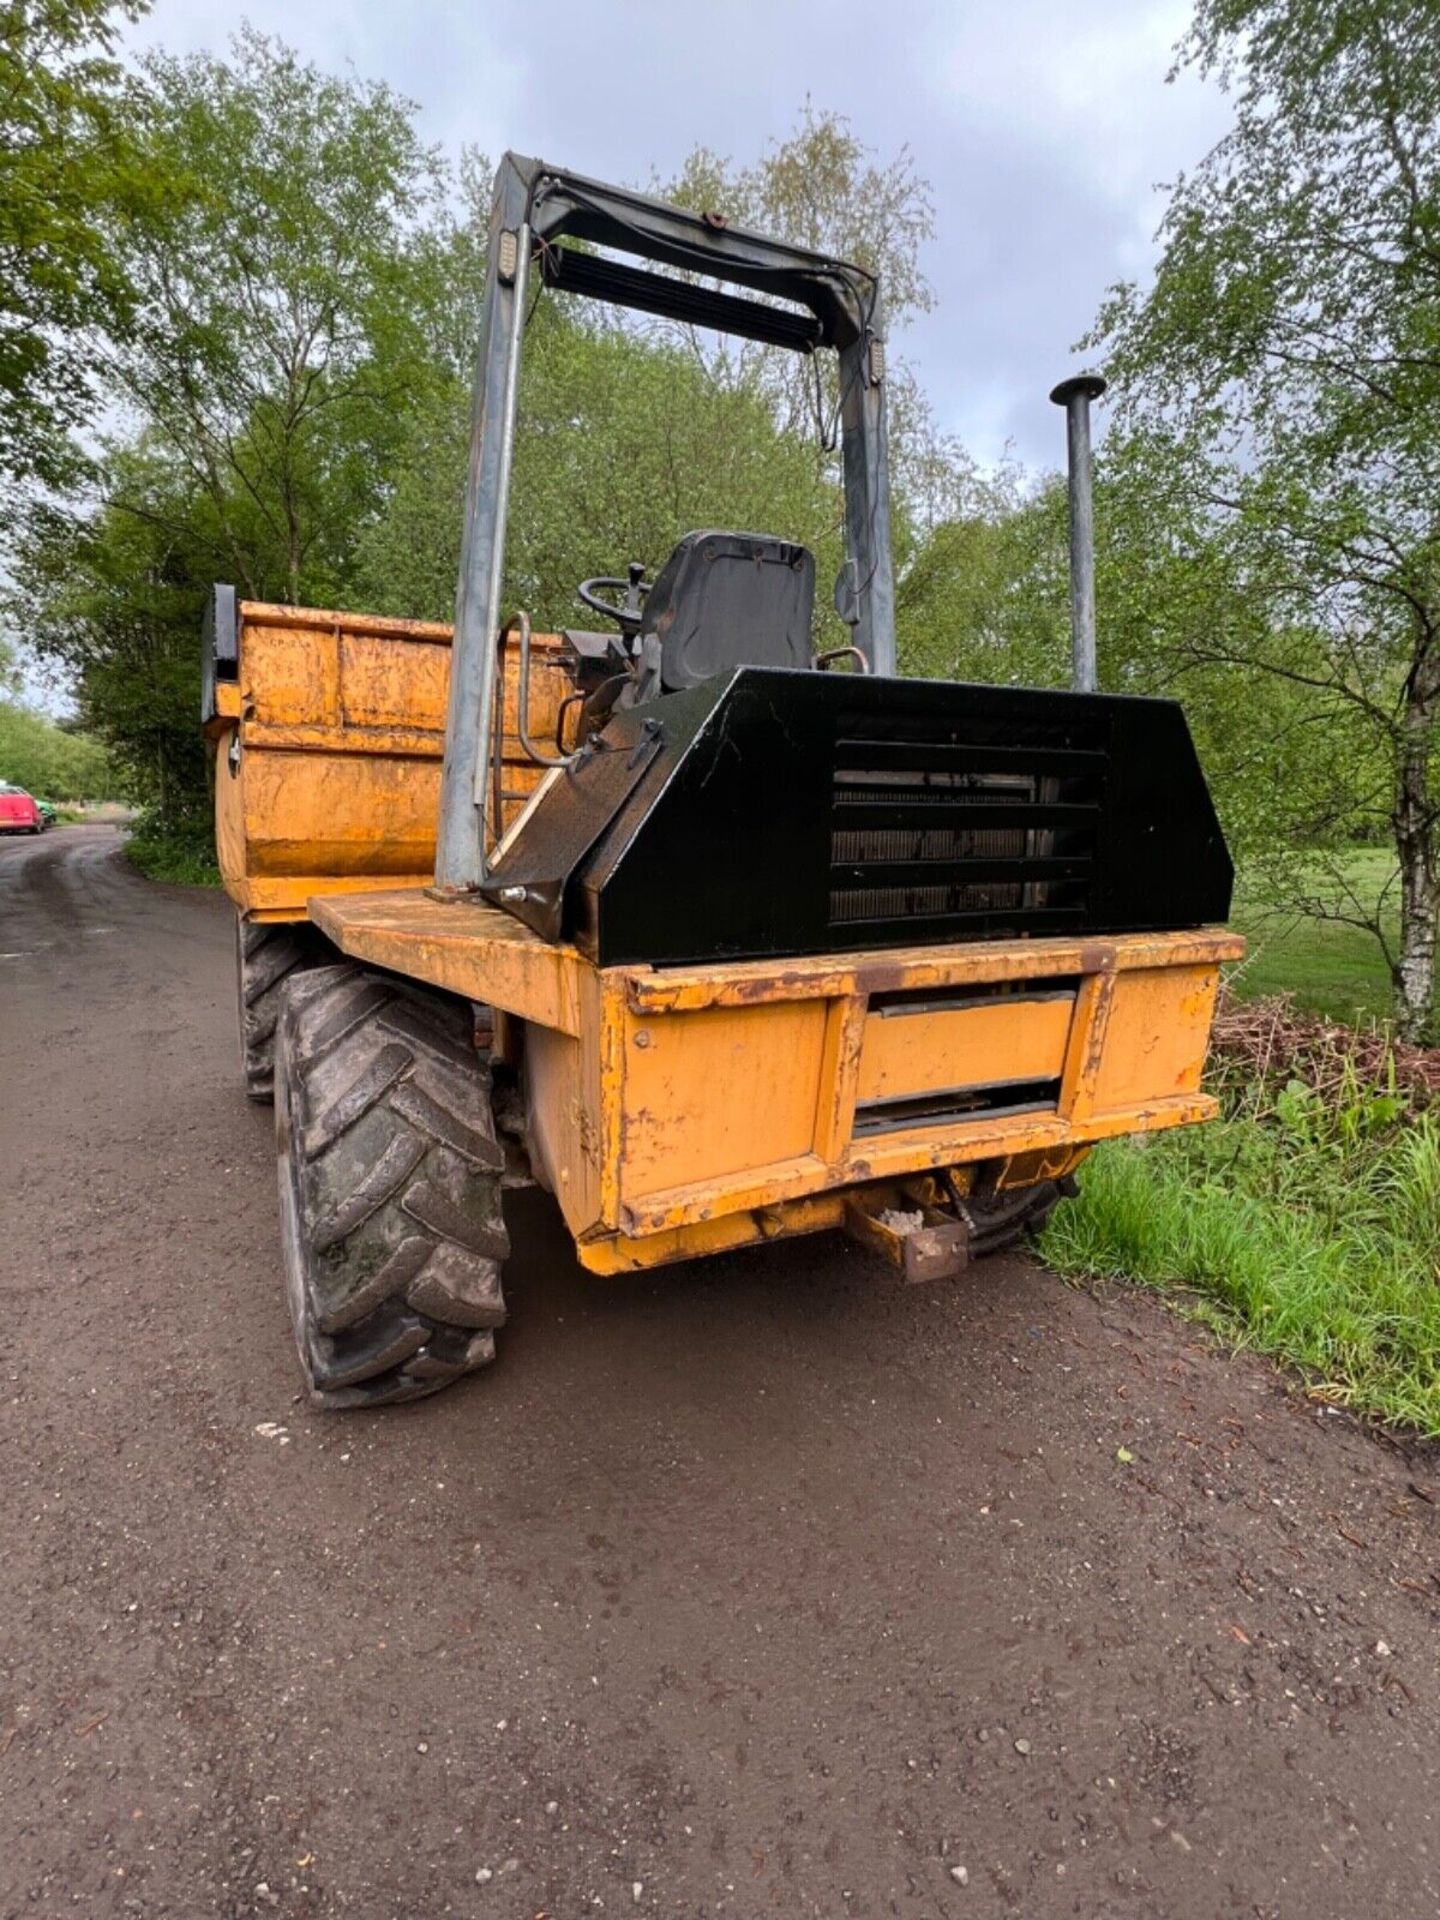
[(754, 1589)]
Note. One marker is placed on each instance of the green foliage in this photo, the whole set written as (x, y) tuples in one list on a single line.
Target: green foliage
[(277, 339), (623, 444), (117, 599), (1324, 955), (821, 187), (1306, 1226), (67, 172), (304, 306), (629, 437), (50, 761), (1281, 398), (983, 594), (181, 856), (1293, 765)]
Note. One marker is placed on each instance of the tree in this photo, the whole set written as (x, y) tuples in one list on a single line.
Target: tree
[(1289, 355), (824, 189), (630, 432), (623, 444), (276, 343), (295, 384), (278, 335), (1294, 765), (116, 599), (982, 593), (50, 760), (67, 173)]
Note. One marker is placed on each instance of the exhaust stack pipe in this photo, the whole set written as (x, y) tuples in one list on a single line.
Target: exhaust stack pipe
[(1075, 395)]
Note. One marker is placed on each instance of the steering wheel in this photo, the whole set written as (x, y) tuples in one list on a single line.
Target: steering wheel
[(626, 613)]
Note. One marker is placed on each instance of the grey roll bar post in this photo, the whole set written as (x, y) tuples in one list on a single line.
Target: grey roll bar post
[(1075, 395), (535, 206)]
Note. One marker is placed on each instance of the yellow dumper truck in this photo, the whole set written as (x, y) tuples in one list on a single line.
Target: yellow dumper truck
[(717, 941)]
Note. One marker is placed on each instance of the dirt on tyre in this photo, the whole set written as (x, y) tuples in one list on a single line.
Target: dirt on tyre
[(266, 956), (390, 1180)]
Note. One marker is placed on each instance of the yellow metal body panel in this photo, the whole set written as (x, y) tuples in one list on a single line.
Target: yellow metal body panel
[(616, 1253), (1148, 1045), (677, 1112), (340, 719), (714, 1095), (905, 1052), (455, 946)]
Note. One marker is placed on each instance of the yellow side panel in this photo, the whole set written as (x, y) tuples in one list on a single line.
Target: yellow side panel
[(711, 1094), (288, 898), (616, 1253), (290, 674), (828, 974), (565, 1116), (388, 685), (468, 949), (564, 1137), (342, 731), (659, 1121), (1154, 1043), (935, 1051), (229, 820), (339, 813)]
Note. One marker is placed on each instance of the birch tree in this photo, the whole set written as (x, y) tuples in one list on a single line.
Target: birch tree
[(1290, 344)]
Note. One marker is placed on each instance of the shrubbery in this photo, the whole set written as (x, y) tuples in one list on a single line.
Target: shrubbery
[(181, 852)]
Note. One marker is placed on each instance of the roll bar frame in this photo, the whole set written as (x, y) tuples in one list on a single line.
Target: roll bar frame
[(534, 207)]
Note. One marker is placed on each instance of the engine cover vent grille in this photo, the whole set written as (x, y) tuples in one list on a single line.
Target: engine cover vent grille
[(952, 831)]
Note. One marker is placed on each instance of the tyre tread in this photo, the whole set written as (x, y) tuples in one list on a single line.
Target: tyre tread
[(1003, 1220), (391, 1174), (270, 958)]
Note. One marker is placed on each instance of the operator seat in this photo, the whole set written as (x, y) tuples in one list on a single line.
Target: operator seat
[(726, 600)]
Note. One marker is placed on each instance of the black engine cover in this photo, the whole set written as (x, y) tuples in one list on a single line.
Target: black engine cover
[(775, 813)]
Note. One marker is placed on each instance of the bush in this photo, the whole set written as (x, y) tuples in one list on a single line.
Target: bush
[(181, 854)]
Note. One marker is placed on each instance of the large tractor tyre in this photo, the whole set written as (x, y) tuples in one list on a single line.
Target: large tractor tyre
[(1000, 1221), (266, 956), (390, 1178)]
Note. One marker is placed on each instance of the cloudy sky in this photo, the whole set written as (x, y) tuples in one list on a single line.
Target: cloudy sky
[(1042, 127)]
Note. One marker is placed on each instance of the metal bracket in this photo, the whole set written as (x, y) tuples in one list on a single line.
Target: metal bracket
[(919, 1241)]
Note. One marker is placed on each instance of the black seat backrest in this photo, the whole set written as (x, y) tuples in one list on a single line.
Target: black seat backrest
[(727, 600)]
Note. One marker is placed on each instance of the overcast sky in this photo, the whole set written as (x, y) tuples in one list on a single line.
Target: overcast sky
[(1043, 130)]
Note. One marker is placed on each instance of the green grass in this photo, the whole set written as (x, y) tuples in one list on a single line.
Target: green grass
[(1335, 970), (1304, 1227), (1304, 1224)]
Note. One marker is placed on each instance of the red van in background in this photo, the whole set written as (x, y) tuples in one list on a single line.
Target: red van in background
[(18, 812)]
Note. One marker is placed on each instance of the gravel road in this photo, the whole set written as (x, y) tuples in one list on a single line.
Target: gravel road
[(760, 1588)]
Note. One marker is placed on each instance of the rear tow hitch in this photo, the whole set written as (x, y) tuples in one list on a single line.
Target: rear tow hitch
[(921, 1242)]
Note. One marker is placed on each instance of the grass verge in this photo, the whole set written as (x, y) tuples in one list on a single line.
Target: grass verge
[(1331, 968), (1305, 1223)]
